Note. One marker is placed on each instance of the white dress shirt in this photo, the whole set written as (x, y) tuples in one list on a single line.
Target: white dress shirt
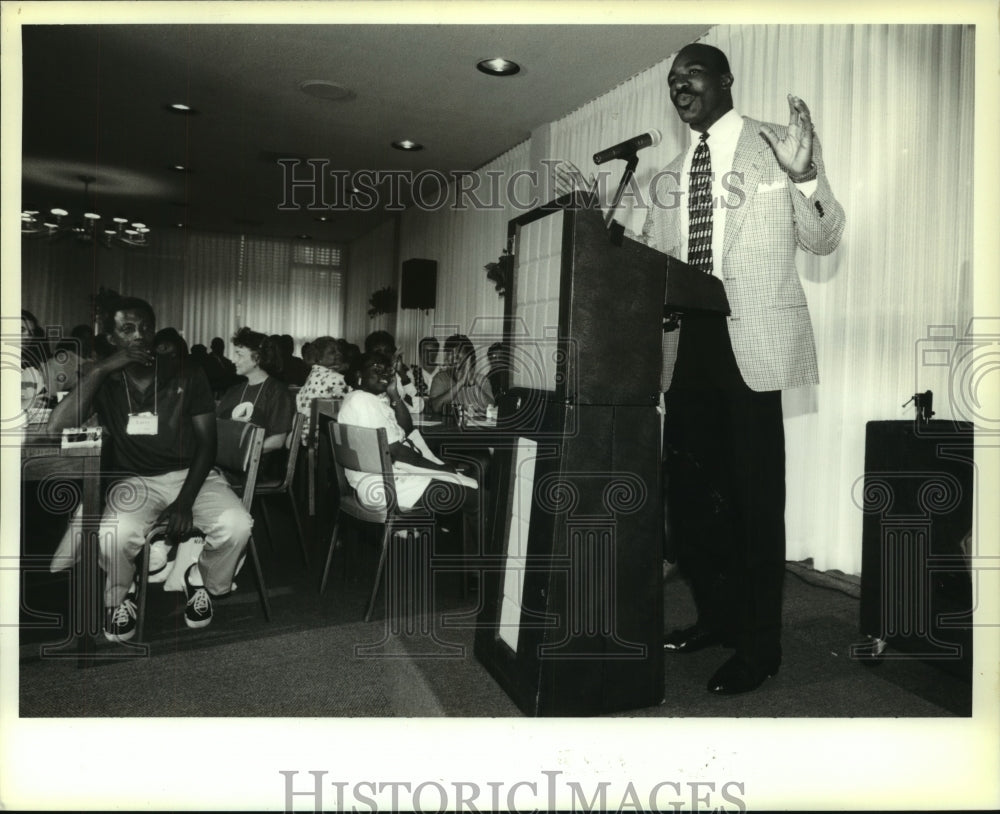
[(723, 137)]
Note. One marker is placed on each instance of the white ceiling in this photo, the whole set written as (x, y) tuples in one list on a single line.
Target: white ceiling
[(95, 96)]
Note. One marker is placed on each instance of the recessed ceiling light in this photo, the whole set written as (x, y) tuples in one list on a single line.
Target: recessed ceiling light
[(322, 218), (498, 66), (183, 109), (179, 225), (180, 168), (324, 89), (406, 144), (304, 237)]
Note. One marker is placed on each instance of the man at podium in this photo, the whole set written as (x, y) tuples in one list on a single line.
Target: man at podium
[(724, 453)]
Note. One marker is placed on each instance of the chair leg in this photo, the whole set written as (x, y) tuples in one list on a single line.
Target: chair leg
[(329, 556), (298, 527), (386, 537), (311, 487), (268, 526), (260, 578), (143, 590)]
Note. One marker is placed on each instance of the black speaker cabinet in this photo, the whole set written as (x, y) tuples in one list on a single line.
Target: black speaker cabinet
[(572, 614), (916, 583), (418, 285)]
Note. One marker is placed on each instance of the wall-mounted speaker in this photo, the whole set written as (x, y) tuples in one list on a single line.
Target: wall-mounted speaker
[(418, 288)]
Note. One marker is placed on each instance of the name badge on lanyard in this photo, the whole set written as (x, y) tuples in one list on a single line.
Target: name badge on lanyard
[(141, 424)]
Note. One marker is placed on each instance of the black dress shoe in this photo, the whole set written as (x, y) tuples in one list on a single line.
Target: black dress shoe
[(738, 675), (691, 639)]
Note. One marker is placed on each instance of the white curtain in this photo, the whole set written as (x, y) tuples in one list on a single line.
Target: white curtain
[(373, 261), (893, 107), (203, 284), (462, 240), (291, 288)]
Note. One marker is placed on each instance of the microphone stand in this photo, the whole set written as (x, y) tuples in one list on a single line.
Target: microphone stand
[(615, 230)]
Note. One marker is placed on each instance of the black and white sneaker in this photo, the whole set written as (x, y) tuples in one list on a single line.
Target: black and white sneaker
[(120, 626), (198, 612)]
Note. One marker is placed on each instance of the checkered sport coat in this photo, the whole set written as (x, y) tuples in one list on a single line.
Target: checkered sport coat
[(768, 219)]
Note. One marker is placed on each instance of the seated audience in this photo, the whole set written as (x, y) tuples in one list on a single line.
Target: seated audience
[(262, 399), (309, 355), (80, 342), (385, 342), (171, 351), (45, 374), (458, 382), (218, 378), (160, 417), (375, 403), (427, 366), (227, 370), (498, 356), (34, 365), (351, 355), (324, 382), (293, 370), (199, 357)]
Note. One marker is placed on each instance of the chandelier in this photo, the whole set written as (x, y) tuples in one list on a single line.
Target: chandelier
[(116, 231)]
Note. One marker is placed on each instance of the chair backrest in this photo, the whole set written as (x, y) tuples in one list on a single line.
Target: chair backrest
[(292, 445), (329, 408), (238, 450), (321, 412), (362, 449)]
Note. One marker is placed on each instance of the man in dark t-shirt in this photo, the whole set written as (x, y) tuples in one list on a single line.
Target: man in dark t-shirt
[(160, 418)]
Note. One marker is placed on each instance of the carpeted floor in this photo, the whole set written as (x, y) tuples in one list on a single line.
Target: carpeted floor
[(318, 659)]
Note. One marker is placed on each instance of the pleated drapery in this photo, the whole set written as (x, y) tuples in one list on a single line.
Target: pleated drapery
[(893, 107), (203, 284)]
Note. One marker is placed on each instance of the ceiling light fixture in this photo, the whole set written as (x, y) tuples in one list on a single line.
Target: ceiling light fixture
[(182, 109), (407, 145), (498, 66), (87, 230)]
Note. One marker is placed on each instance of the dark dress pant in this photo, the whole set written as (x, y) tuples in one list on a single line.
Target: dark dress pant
[(724, 479)]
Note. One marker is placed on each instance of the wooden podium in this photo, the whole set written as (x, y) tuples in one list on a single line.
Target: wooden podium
[(572, 620)]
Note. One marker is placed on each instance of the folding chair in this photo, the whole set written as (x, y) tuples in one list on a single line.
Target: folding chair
[(364, 449), (283, 486), (238, 450), (319, 407)]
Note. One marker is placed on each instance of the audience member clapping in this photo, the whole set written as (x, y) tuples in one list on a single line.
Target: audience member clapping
[(459, 382)]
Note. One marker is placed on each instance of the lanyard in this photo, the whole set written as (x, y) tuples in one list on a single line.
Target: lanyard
[(244, 393), (156, 365)]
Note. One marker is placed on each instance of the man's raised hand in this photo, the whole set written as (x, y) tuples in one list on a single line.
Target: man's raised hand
[(794, 151), (568, 178)]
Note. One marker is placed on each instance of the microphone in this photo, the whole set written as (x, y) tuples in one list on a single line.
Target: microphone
[(628, 148)]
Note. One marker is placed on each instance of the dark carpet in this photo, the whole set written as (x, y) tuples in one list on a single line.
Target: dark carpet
[(318, 659)]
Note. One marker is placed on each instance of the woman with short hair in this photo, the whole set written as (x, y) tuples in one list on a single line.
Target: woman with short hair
[(261, 398)]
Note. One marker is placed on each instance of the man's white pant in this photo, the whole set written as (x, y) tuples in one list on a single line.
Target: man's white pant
[(132, 508)]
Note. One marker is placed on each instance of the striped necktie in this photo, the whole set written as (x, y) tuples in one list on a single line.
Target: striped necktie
[(700, 208)]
